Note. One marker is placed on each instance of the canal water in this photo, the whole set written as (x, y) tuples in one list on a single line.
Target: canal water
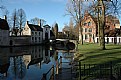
[(29, 62)]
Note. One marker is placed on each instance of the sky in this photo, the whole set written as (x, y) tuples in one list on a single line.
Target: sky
[(50, 10)]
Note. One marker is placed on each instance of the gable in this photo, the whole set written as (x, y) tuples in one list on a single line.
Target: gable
[(4, 25), (89, 21)]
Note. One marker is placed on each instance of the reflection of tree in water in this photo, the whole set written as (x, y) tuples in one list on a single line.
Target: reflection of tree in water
[(18, 67)]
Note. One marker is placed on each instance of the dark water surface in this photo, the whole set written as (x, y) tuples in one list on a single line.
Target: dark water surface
[(28, 63)]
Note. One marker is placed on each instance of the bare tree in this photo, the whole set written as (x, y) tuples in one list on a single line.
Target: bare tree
[(14, 22), (37, 21), (71, 32), (105, 7), (7, 16), (1, 6), (75, 9), (21, 19)]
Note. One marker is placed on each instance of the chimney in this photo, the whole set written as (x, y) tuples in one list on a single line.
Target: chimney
[(27, 22), (5, 17), (39, 22)]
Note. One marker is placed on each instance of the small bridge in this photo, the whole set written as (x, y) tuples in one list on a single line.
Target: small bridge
[(74, 41), (69, 43)]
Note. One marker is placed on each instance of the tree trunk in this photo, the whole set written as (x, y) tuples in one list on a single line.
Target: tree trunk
[(81, 35), (102, 25), (80, 23), (98, 25)]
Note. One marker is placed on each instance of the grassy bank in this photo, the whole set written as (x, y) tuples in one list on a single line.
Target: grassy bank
[(91, 53)]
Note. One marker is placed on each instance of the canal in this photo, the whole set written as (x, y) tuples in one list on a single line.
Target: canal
[(29, 62)]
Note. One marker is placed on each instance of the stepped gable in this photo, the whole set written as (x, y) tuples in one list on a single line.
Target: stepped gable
[(4, 24)]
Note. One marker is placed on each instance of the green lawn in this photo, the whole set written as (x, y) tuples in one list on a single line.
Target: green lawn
[(92, 54)]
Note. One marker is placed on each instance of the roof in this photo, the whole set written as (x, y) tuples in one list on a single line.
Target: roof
[(109, 18), (112, 19), (4, 24), (93, 18), (47, 26), (35, 27), (34, 61)]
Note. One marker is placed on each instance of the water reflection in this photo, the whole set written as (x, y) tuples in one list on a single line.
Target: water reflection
[(4, 61), (18, 63)]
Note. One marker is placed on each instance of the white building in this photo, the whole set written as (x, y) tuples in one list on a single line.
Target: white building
[(4, 33), (37, 33), (46, 32)]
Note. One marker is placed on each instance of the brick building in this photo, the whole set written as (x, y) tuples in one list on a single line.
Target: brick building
[(90, 27)]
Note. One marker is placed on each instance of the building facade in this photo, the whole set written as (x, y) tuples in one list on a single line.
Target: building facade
[(90, 27), (4, 33), (37, 33)]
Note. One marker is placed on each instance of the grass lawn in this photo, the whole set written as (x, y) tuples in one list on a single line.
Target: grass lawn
[(91, 53)]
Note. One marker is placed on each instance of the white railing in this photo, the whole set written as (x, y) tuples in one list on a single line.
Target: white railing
[(110, 40)]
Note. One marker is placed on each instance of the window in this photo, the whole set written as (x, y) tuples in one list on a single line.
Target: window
[(86, 37), (39, 39), (85, 29), (32, 38), (90, 35), (85, 24), (32, 33), (89, 23), (90, 29), (35, 33), (114, 25), (39, 33), (35, 39)]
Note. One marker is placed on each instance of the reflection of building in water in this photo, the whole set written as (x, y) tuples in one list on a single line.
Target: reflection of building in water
[(46, 54), (36, 53), (4, 61), (26, 59), (33, 55)]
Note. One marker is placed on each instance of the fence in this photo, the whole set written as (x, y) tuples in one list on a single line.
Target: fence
[(110, 40), (98, 71), (51, 76), (54, 70)]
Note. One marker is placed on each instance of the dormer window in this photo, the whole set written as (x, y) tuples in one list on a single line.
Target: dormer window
[(89, 23), (85, 24)]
